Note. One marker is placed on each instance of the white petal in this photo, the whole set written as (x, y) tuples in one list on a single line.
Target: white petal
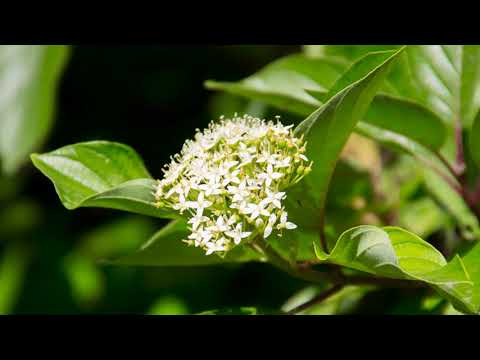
[(245, 234), (290, 225), (267, 232)]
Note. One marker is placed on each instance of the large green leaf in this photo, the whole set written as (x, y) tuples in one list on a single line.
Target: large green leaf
[(166, 248), (300, 84), (358, 70), (395, 114), (326, 130), (29, 77), (396, 253), (445, 78), (100, 174), (285, 82), (448, 77)]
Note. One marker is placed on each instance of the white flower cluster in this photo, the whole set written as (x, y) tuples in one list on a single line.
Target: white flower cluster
[(230, 181)]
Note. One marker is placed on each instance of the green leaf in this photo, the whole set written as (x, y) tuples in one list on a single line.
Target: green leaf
[(166, 248), (285, 83), (300, 84), (470, 84), (475, 140), (471, 261), (29, 76), (407, 118), (352, 52), (358, 70), (453, 203), (100, 174), (396, 253), (395, 114), (403, 144), (444, 78), (326, 130)]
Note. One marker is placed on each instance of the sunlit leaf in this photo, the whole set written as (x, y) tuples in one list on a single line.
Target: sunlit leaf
[(396, 253), (285, 83), (326, 130), (100, 174)]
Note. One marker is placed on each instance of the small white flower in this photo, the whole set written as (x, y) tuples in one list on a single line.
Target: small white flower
[(267, 157), (200, 237), (240, 206), (212, 187), (255, 210), (197, 220), (212, 247), (220, 225), (270, 175), (273, 198), (254, 185), (201, 203), (246, 158), (284, 224), (183, 204), (248, 150), (283, 163), (237, 235), (231, 177), (269, 227), (240, 192)]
